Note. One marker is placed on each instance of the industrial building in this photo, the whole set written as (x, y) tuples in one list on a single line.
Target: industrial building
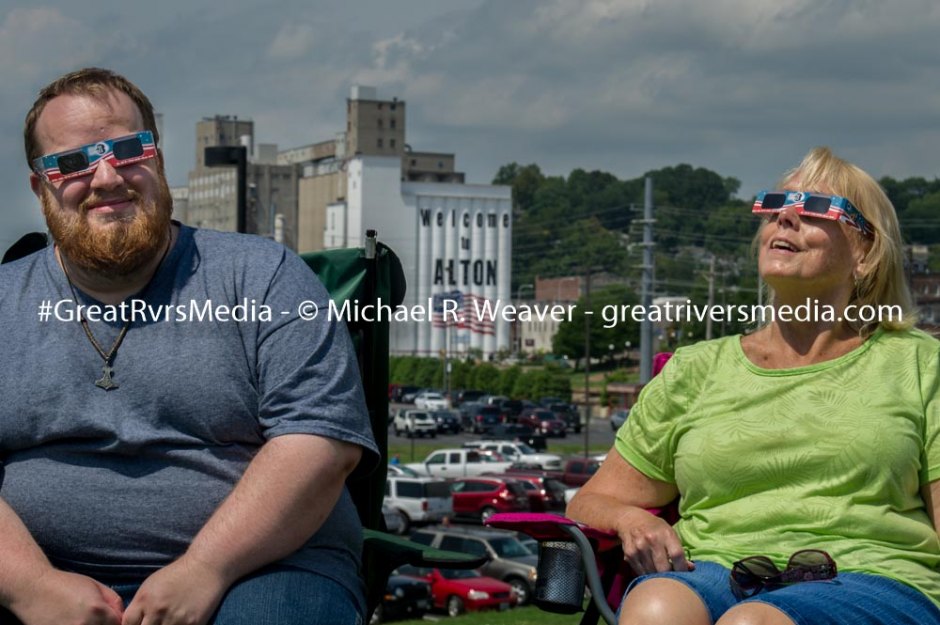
[(454, 239)]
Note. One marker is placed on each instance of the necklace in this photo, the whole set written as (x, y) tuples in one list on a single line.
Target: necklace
[(105, 382)]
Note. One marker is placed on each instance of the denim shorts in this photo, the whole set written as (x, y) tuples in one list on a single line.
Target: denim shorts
[(849, 599)]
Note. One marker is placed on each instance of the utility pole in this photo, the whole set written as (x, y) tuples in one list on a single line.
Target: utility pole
[(646, 289), (587, 360)]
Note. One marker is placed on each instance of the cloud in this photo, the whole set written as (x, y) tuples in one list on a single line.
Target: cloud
[(293, 41), (65, 43), (743, 87)]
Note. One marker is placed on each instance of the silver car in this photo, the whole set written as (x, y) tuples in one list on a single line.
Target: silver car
[(413, 423), (618, 418)]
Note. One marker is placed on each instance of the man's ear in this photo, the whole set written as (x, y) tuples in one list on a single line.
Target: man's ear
[(160, 161), (35, 183)]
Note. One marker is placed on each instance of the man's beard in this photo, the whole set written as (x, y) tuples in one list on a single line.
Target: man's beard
[(119, 248)]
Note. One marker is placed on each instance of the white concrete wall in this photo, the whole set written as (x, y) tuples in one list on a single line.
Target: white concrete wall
[(449, 237)]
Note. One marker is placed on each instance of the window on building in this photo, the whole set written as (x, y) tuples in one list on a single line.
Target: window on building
[(379, 142), (393, 105), (379, 122), (440, 164), (392, 123), (414, 162), (391, 143)]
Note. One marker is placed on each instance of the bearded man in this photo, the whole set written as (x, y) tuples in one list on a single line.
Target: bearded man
[(158, 467)]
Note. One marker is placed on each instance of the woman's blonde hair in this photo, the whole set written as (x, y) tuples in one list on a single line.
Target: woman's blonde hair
[(881, 281)]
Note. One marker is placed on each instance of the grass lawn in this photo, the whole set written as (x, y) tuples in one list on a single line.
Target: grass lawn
[(518, 616)]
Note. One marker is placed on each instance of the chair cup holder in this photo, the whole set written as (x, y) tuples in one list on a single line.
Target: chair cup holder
[(560, 583)]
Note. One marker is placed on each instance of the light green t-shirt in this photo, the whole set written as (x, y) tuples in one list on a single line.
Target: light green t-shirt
[(830, 456)]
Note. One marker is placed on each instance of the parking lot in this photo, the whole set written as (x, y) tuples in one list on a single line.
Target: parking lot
[(600, 438)]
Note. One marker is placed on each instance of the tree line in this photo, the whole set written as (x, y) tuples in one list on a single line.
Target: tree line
[(585, 221), (514, 382)]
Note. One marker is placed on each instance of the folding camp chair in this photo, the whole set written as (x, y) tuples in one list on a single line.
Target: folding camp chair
[(370, 275)]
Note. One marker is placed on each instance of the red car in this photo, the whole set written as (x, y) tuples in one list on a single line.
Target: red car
[(546, 494), (459, 591), (479, 497), (544, 422)]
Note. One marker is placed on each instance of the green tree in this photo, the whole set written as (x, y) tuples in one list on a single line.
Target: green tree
[(525, 181), (404, 370), (460, 374), (429, 373), (730, 229), (556, 383), (585, 244), (921, 222), (507, 380), (607, 306), (486, 378)]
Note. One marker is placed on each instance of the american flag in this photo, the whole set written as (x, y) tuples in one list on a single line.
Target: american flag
[(471, 312), (438, 318), (474, 314)]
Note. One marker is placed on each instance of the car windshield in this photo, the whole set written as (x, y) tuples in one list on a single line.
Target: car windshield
[(525, 449), (403, 470), (545, 416), (459, 574), (508, 547)]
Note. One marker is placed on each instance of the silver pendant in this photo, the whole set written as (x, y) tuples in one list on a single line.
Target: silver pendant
[(106, 382)]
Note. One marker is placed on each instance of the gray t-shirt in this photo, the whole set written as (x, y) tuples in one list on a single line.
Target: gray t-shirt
[(115, 484)]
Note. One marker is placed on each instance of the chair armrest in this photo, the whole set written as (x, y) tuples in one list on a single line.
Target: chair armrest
[(543, 526), (396, 551)]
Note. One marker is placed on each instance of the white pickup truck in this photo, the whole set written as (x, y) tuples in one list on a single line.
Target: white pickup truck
[(519, 452), (458, 463)]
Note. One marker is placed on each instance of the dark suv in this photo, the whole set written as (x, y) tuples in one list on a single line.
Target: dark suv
[(479, 418), (468, 395), (509, 560), (568, 414)]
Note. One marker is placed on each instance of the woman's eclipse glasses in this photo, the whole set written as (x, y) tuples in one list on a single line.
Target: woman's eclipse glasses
[(832, 207)]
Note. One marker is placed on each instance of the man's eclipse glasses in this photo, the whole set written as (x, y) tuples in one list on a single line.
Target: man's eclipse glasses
[(83, 161)]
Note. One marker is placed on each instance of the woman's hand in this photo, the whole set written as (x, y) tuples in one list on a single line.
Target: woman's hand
[(650, 544)]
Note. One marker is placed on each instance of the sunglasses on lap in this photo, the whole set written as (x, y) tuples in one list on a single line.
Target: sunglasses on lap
[(756, 573), (85, 159), (832, 207)]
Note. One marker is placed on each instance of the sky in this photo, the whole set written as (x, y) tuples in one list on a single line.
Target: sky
[(742, 87)]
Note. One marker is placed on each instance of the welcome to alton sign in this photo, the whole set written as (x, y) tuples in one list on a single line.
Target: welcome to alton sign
[(464, 251)]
